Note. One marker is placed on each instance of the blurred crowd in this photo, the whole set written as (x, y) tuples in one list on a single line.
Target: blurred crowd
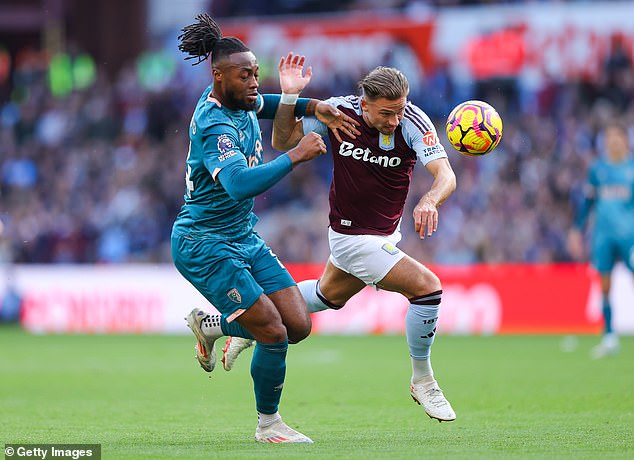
[(231, 8), (97, 175)]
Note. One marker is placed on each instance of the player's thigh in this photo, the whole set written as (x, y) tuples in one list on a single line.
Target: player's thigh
[(367, 257), (219, 271), (263, 321), (627, 253), (338, 286), (410, 278), (267, 269), (292, 308), (280, 287), (603, 252)]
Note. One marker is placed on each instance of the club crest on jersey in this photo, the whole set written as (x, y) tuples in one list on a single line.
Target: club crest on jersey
[(234, 296), (386, 141)]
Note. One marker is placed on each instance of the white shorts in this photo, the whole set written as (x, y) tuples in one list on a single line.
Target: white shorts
[(368, 257)]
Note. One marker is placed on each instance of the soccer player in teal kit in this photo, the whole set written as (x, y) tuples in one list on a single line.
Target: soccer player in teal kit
[(610, 191), (214, 245)]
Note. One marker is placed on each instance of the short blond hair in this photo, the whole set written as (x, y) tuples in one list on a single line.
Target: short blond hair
[(386, 82)]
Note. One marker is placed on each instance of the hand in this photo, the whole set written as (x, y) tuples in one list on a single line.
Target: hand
[(336, 120), (291, 69), (575, 244), (425, 217), (309, 147)]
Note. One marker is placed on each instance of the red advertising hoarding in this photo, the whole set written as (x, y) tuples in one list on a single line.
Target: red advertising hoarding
[(477, 299), (480, 299)]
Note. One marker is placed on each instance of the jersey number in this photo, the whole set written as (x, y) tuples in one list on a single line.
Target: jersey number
[(188, 182), (256, 159)]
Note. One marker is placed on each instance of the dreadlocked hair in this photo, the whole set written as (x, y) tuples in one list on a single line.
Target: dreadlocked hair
[(201, 38)]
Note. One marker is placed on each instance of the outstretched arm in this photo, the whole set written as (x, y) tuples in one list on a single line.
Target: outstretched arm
[(426, 211), (287, 130), (241, 182), (574, 242)]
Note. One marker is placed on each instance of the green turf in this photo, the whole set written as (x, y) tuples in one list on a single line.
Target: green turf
[(145, 397)]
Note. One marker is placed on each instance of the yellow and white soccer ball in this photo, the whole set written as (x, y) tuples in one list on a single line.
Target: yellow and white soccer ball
[(474, 128)]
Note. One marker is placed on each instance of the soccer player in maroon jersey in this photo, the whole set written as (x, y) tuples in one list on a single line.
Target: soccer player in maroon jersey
[(371, 177)]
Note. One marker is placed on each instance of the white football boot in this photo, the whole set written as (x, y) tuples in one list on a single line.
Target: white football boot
[(433, 401), (205, 352), (280, 432), (233, 347), (609, 346)]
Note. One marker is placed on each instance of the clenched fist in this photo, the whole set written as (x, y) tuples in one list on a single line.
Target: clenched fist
[(310, 146)]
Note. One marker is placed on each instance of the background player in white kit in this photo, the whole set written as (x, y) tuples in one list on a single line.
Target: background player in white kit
[(371, 177)]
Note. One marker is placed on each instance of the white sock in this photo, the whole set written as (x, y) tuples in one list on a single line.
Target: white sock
[(265, 420), (422, 372), (211, 326), (308, 289)]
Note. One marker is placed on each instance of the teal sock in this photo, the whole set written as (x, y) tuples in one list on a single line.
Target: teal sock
[(607, 315), (268, 369), (233, 329)]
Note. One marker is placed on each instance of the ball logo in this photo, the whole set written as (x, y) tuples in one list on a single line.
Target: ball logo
[(429, 138)]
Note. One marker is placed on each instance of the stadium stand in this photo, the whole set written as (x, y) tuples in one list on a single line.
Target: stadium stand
[(95, 175)]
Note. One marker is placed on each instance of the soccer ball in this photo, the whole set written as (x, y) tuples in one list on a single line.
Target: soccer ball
[(474, 128)]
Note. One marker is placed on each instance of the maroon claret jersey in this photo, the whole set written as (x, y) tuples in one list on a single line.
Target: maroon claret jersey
[(372, 173)]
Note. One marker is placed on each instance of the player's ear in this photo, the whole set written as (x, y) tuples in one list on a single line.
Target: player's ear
[(217, 74), (364, 104)]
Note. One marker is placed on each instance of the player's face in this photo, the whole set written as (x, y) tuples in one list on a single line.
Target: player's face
[(236, 78), (383, 114), (616, 143)]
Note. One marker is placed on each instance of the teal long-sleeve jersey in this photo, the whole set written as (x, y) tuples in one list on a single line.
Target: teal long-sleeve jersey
[(224, 139), (610, 190)]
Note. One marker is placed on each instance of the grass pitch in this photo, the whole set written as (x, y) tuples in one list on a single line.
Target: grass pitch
[(146, 397)]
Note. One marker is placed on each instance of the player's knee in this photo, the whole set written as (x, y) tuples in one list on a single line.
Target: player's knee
[(434, 283), (429, 283), (299, 331), (273, 332), (337, 304)]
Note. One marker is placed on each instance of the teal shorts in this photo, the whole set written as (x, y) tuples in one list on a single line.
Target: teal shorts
[(608, 249), (232, 275)]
